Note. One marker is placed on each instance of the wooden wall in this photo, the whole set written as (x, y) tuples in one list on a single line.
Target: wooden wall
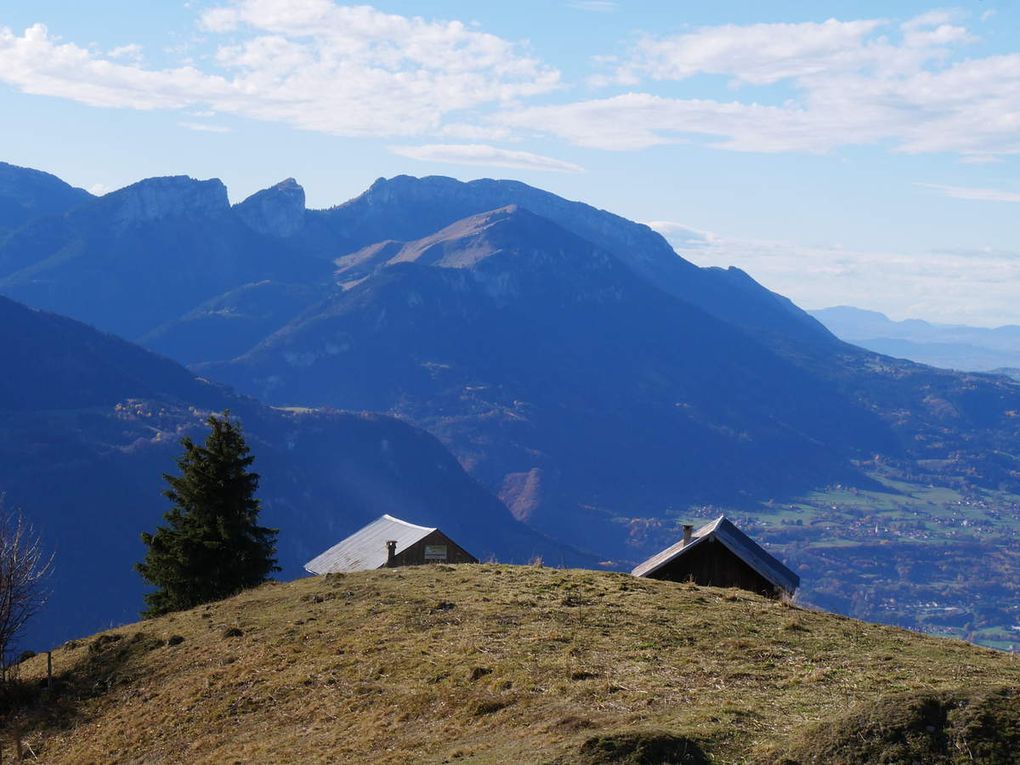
[(430, 549), (712, 564)]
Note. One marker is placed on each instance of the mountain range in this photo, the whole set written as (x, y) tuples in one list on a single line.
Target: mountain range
[(951, 346), (576, 367)]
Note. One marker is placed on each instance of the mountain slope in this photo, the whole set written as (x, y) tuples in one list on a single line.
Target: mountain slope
[(499, 664), (52, 362), (230, 324), (88, 423), (182, 234), (560, 377), (145, 255), (26, 195), (407, 208)]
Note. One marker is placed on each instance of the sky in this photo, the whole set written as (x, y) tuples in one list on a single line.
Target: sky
[(842, 153)]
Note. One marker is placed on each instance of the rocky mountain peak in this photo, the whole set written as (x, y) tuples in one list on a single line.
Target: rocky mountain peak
[(171, 197), (276, 211)]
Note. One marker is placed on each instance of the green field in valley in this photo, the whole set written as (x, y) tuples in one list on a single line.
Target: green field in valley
[(943, 560)]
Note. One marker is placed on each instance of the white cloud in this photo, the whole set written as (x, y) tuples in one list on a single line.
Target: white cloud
[(755, 53), (682, 235), (975, 194), (481, 154), (39, 64), (313, 64), (641, 120), (132, 52), (204, 127), (356, 71), (853, 83), (955, 286)]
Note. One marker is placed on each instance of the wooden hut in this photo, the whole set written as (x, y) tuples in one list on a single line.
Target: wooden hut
[(721, 555), (389, 542)]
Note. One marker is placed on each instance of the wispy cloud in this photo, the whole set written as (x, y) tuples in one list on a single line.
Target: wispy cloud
[(482, 154), (972, 193), (353, 70), (131, 52), (682, 235), (202, 127), (853, 82), (314, 64)]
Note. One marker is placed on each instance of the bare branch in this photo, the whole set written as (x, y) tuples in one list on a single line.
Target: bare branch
[(24, 568)]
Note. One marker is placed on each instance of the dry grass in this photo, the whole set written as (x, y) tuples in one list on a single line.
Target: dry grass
[(473, 664)]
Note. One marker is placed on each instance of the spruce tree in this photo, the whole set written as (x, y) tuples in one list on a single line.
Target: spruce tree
[(212, 545)]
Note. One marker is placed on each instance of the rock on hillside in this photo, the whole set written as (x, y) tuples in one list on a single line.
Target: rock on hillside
[(499, 664)]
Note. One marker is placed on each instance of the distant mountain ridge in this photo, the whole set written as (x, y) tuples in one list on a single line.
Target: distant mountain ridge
[(144, 255), (951, 346), (576, 364), (49, 265), (406, 208), (27, 194)]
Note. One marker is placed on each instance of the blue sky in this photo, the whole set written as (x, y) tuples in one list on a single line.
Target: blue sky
[(859, 153)]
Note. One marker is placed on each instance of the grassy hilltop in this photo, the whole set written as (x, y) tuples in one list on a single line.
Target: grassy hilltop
[(500, 664)]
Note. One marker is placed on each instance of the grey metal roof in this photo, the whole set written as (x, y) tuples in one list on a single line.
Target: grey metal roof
[(737, 542), (366, 549)]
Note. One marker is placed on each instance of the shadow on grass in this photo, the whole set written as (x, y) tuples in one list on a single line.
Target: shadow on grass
[(957, 728), (111, 659), (637, 748)]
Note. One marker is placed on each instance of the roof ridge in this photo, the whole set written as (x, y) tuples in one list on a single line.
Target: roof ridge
[(401, 521)]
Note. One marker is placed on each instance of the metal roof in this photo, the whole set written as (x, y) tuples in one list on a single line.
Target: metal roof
[(737, 542), (366, 549)]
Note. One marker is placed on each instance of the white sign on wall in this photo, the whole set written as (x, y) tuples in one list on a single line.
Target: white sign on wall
[(435, 553)]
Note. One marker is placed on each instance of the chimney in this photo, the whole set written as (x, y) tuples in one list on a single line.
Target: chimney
[(391, 553), (688, 528)]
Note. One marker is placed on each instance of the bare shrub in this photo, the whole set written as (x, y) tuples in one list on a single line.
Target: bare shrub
[(24, 568)]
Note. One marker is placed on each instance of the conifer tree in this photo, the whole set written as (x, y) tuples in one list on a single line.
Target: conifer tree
[(212, 545)]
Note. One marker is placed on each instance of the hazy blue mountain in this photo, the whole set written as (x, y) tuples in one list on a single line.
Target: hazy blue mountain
[(573, 361), (89, 422), (278, 211), (564, 379), (406, 208), (589, 396), (147, 256), (143, 256), (951, 346), (26, 195), (230, 324)]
